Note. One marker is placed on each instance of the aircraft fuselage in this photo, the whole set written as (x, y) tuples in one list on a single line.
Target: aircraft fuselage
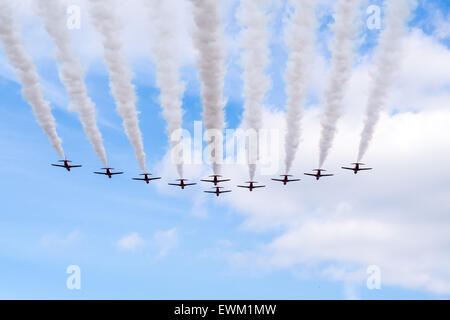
[(66, 165)]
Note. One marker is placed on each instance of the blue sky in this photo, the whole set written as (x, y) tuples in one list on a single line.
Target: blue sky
[(194, 247)]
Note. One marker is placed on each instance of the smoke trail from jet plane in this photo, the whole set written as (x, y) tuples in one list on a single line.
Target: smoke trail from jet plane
[(387, 58), (255, 58), (341, 62), (104, 19), (53, 15), (27, 74), (166, 50), (300, 42), (208, 40)]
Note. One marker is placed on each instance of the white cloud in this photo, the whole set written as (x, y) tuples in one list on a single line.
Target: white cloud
[(56, 241), (130, 242), (165, 241), (160, 244), (395, 217), (441, 25)]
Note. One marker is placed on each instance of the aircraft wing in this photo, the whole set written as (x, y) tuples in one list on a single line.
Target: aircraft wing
[(58, 165), (310, 174), (281, 180), (211, 192), (155, 178), (138, 179), (113, 173), (248, 187), (101, 173), (190, 184), (175, 184), (224, 191), (221, 180), (76, 166), (293, 180)]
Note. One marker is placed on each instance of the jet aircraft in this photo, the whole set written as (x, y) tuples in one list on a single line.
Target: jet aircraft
[(357, 167), (146, 178), (251, 185), (108, 172), (218, 192), (215, 179), (66, 165), (182, 183), (319, 174), (286, 179)]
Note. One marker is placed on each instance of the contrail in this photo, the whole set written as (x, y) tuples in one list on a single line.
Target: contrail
[(340, 72), (166, 49), (300, 42), (208, 40), (27, 74), (386, 63), (104, 19), (255, 58), (53, 14)]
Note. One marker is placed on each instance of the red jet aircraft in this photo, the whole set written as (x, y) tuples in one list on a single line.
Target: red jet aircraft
[(285, 180), (66, 165), (217, 192), (146, 178), (251, 185), (319, 174), (215, 179), (357, 167), (108, 172), (182, 184)]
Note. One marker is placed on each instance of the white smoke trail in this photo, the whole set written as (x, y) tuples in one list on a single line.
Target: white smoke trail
[(255, 58), (104, 19), (165, 49), (300, 42), (53, 15), (27, 74), (342, 54), (208, 40), (386, 62)]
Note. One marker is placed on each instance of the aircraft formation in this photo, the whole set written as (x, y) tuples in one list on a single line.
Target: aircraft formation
[(216, 179), (210, 63)]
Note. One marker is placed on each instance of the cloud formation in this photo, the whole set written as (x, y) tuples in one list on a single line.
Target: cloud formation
[(165, 241), (393, 217), (130, 242)]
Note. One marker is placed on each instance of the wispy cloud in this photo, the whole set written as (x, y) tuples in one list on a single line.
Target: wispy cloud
[(165, 241), (159, 245), (131, 242), (442, 26), (369, 219), (56, 241)]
